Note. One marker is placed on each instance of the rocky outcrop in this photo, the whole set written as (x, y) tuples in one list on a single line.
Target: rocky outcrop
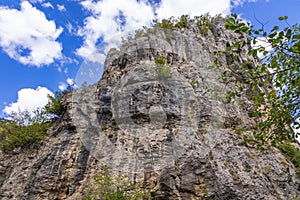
[(169, 127)]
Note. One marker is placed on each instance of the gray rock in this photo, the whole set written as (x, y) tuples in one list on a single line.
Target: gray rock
[(168, 127)]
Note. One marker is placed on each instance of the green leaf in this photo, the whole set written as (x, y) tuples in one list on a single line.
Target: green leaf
[(234, 15), (278, 107), (272, 35), (230, 20), (244, 29), (275, 28), (283, 18)]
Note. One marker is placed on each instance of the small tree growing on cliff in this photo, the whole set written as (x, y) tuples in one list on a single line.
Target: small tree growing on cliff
[(280, 64), (55, 108), (107, 187)]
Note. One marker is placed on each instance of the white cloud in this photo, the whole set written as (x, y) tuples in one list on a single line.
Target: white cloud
[(110, 20), (62, 86), (71, 29), (47, 5), (240, 2), (70, 81), (169, 8), (61, 7), (36, 1), (28, 37), (262, 42), (29, 99)]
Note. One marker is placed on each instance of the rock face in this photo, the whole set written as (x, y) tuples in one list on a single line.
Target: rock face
[(168, 126)]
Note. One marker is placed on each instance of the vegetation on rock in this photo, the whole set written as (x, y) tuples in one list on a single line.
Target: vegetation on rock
[(163, 70), (204, 22), (278, 52), (106, 187), (292, 154), (23, 128), (55, 108)]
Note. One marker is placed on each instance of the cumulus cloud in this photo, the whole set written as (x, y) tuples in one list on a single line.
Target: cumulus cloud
[(27, 36), (110, 20), (29, 99), (168, 8)]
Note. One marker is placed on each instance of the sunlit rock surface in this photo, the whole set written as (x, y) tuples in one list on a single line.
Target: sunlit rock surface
[(168, 127)]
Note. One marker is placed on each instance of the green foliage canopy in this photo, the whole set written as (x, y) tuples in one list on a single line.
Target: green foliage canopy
[(23, 128), (279, 66), (14, 133), (54, 107)]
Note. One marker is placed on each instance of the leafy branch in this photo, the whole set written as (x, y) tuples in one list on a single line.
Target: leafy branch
[(280, 65)]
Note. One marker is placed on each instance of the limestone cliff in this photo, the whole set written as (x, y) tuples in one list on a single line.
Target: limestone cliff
[(168, 126)]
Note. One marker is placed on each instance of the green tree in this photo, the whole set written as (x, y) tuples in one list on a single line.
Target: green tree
[(107, 187), (22, 129), (24, 118), (182, 22), (54, 108), (278, 53), (165, 23), (205, 23)]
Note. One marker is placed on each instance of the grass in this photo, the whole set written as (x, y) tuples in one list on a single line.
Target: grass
[(292, 154)]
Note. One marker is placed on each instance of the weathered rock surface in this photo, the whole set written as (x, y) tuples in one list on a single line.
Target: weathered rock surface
[(169, 128)]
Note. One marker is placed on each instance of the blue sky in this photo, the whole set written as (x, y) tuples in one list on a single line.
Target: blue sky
[(48, 44)]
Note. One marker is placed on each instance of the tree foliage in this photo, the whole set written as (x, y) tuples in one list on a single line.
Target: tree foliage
[(292, 154), (278, 53), (204, 22), (55, 108), (25, 118), (107, 187), (22, 131), (23, 128)]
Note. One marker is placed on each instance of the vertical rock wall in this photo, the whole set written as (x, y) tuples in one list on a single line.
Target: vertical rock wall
[(168, 127)]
